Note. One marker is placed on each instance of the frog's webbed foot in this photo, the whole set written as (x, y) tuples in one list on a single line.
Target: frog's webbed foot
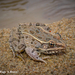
[(17, 45), (34, 54)]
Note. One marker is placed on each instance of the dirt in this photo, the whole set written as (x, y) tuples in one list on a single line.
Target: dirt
[(58, 64)]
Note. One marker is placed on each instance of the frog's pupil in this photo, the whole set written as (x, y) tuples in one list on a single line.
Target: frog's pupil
[(51, 44)]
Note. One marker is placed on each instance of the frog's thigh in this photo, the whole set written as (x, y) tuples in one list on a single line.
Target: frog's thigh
[(33, 54)]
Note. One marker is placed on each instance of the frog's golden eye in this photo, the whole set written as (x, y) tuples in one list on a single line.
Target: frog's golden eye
[(51, 44)]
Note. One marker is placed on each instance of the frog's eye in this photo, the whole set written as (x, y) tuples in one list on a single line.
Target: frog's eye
[(51, 44)]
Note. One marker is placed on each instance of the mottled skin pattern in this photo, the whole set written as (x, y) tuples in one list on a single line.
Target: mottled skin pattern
[(35, 38)]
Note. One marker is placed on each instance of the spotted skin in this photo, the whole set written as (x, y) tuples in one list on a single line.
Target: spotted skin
[(35, 38)]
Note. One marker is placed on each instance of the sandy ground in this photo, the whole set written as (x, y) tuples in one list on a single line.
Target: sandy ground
[(60, 64)]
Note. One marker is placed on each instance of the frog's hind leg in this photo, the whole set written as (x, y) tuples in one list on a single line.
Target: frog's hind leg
[(11, 43), (16, 46), (34, 54)]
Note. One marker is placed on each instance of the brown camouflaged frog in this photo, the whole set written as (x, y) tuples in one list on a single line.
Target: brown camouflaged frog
[(35, 38)]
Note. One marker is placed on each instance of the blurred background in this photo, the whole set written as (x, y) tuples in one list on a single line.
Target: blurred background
[(13, 12)]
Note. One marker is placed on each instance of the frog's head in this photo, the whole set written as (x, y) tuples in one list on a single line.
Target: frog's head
[(55, 45), (57, 42)]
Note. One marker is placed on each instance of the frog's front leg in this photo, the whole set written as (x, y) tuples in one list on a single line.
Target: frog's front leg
[(34, 54)]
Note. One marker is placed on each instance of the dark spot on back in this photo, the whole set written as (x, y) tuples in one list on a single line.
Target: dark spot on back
[(15, 45), (26, 37), (37, 24), (48, 28), (48, 39), (31, 42), (22, 36), (39, 37), (19, 37), (38, 28), (37, 31), (32, 32), (33, 39)]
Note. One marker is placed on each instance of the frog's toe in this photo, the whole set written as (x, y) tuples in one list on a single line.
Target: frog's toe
[(20, 56), (33, 54)]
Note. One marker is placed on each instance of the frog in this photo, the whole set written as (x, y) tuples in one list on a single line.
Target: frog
[(34, 39)]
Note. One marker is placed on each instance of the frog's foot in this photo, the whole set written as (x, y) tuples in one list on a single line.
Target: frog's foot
[(34, 54), (19, 55)]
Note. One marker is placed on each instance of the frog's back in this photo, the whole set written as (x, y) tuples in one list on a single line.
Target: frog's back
[(37, 30)]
